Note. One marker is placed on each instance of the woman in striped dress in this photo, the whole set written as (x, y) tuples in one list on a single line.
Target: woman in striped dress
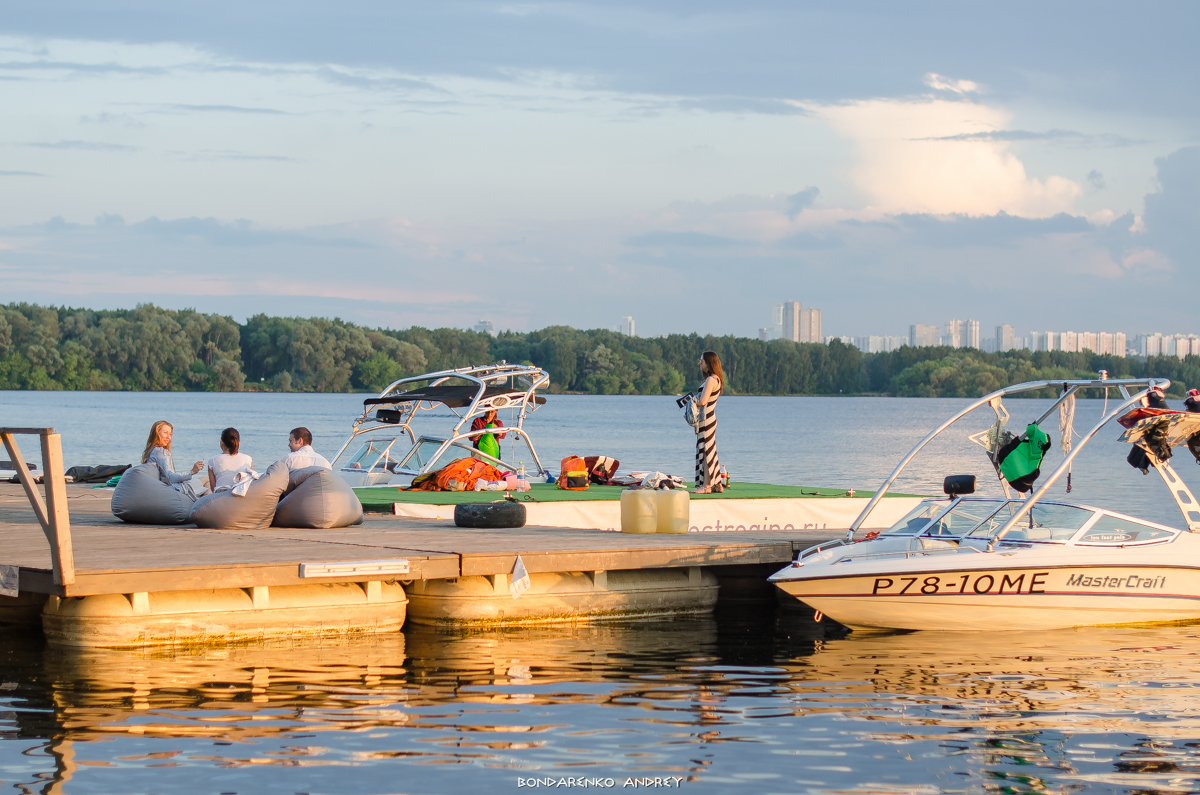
[(707, 466)]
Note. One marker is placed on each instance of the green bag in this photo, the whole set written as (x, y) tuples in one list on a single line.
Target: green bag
[(488, 445), (1021, 459)]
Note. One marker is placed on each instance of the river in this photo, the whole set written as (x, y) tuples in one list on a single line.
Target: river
[(760, 699)]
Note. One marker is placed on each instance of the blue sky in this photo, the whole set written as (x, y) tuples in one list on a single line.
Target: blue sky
[(690, 164)]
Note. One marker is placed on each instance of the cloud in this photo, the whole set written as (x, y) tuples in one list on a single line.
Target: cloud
[(21, 174), (911, 161), (939, 83), (228, 154), (993, 231), (1096, 180), (799, 202), (87, 146), (1172, 213), (241, 233), (662, 239), (1077, 138), (167, 108), (807, 241)]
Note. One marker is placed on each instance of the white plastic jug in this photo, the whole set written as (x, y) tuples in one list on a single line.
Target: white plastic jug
[(673, 513), (639, 511)]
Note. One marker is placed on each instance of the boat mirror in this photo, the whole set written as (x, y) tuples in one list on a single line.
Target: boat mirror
[(955, 485), (390, 416)]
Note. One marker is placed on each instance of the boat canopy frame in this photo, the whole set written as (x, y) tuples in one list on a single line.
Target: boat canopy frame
[(1183, 497), (487, 387)]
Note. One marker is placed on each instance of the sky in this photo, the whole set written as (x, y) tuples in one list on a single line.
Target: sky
[(690, 164)]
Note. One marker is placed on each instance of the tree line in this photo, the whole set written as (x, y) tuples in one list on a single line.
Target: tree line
[(150, 348)]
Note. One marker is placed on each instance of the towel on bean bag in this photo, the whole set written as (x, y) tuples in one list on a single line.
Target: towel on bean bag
[(227, 511), (141, 498), (318, 498)]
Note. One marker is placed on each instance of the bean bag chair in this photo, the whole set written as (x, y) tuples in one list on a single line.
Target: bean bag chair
[(141, 498), (318, 498), (225, 510)]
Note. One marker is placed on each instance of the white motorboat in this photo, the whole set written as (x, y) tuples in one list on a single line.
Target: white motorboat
[(1013, 563), (392, 454)]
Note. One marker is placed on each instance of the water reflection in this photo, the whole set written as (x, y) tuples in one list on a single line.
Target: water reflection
[(763, 698)]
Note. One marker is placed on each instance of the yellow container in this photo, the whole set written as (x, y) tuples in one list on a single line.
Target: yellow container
[(673, 514), (639, 511)]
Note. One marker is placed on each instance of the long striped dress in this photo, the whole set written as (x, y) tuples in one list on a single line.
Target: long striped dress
[(707, 466)]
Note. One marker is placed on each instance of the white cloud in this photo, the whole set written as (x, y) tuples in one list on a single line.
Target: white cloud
[(902, 168), (940, 83)]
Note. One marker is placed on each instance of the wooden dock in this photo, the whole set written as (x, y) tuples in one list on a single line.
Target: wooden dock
[(90, 579), (113, 557)]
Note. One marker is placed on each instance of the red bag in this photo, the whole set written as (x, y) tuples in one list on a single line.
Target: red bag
[(573, 474), (601, 469)]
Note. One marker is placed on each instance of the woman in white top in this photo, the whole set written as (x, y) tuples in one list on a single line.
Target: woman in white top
[(158, 452), (223, 468)]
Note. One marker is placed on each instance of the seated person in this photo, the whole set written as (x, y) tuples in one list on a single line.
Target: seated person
[(158, 452), (481, 423), (223, 468), (303, 455)]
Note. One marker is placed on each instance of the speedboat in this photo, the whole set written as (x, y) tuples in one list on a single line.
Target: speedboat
[(390, 453), (1017, 562)]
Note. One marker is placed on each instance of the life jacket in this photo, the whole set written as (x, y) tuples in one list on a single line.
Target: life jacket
[(487, 444), (573, 475), (458, 475), (601, 469), (1021, 459)]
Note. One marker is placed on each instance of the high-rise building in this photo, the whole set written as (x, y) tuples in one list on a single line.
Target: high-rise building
[(764, 334), (1044, 340), (810, 325), (1006, 338), (961, 334), (485, 327), (972, 340), (627, 327), (1089, 341), (1119, 344), (791, 320), (1069, 342), (921, 335), (955, 334)]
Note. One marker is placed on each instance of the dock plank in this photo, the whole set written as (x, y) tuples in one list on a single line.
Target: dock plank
[(114, 557)]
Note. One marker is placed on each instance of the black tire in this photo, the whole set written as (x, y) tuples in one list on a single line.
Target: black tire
[(489, 514)]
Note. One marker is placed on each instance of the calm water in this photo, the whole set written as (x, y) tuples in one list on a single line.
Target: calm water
[(760, 700)]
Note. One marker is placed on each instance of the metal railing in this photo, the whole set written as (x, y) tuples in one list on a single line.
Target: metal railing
[(1069, 387)]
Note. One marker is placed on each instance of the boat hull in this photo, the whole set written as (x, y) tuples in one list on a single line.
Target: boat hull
[(1004, 598)]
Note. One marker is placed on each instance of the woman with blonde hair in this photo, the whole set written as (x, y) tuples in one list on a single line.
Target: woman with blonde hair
[(158, 452), (708, 467)]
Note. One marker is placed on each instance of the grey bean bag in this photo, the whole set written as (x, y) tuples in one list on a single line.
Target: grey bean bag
[(318, 498), (227, 511), (141, 498)]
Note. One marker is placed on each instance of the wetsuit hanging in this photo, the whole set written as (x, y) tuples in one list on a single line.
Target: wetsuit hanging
[(1021, 459)]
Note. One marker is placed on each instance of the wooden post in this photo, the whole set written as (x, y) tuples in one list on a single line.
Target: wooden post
[(52, 513), (58, 531)]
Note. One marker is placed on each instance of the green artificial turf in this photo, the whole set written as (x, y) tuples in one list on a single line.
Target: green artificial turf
[(376, 499)]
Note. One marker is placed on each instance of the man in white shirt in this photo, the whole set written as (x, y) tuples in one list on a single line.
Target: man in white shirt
[(303, 455)]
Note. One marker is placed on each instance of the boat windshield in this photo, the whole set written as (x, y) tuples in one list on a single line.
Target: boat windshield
[(1044, 522), (966, 516), (374, 455), (915, 520), (1112, 529)]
